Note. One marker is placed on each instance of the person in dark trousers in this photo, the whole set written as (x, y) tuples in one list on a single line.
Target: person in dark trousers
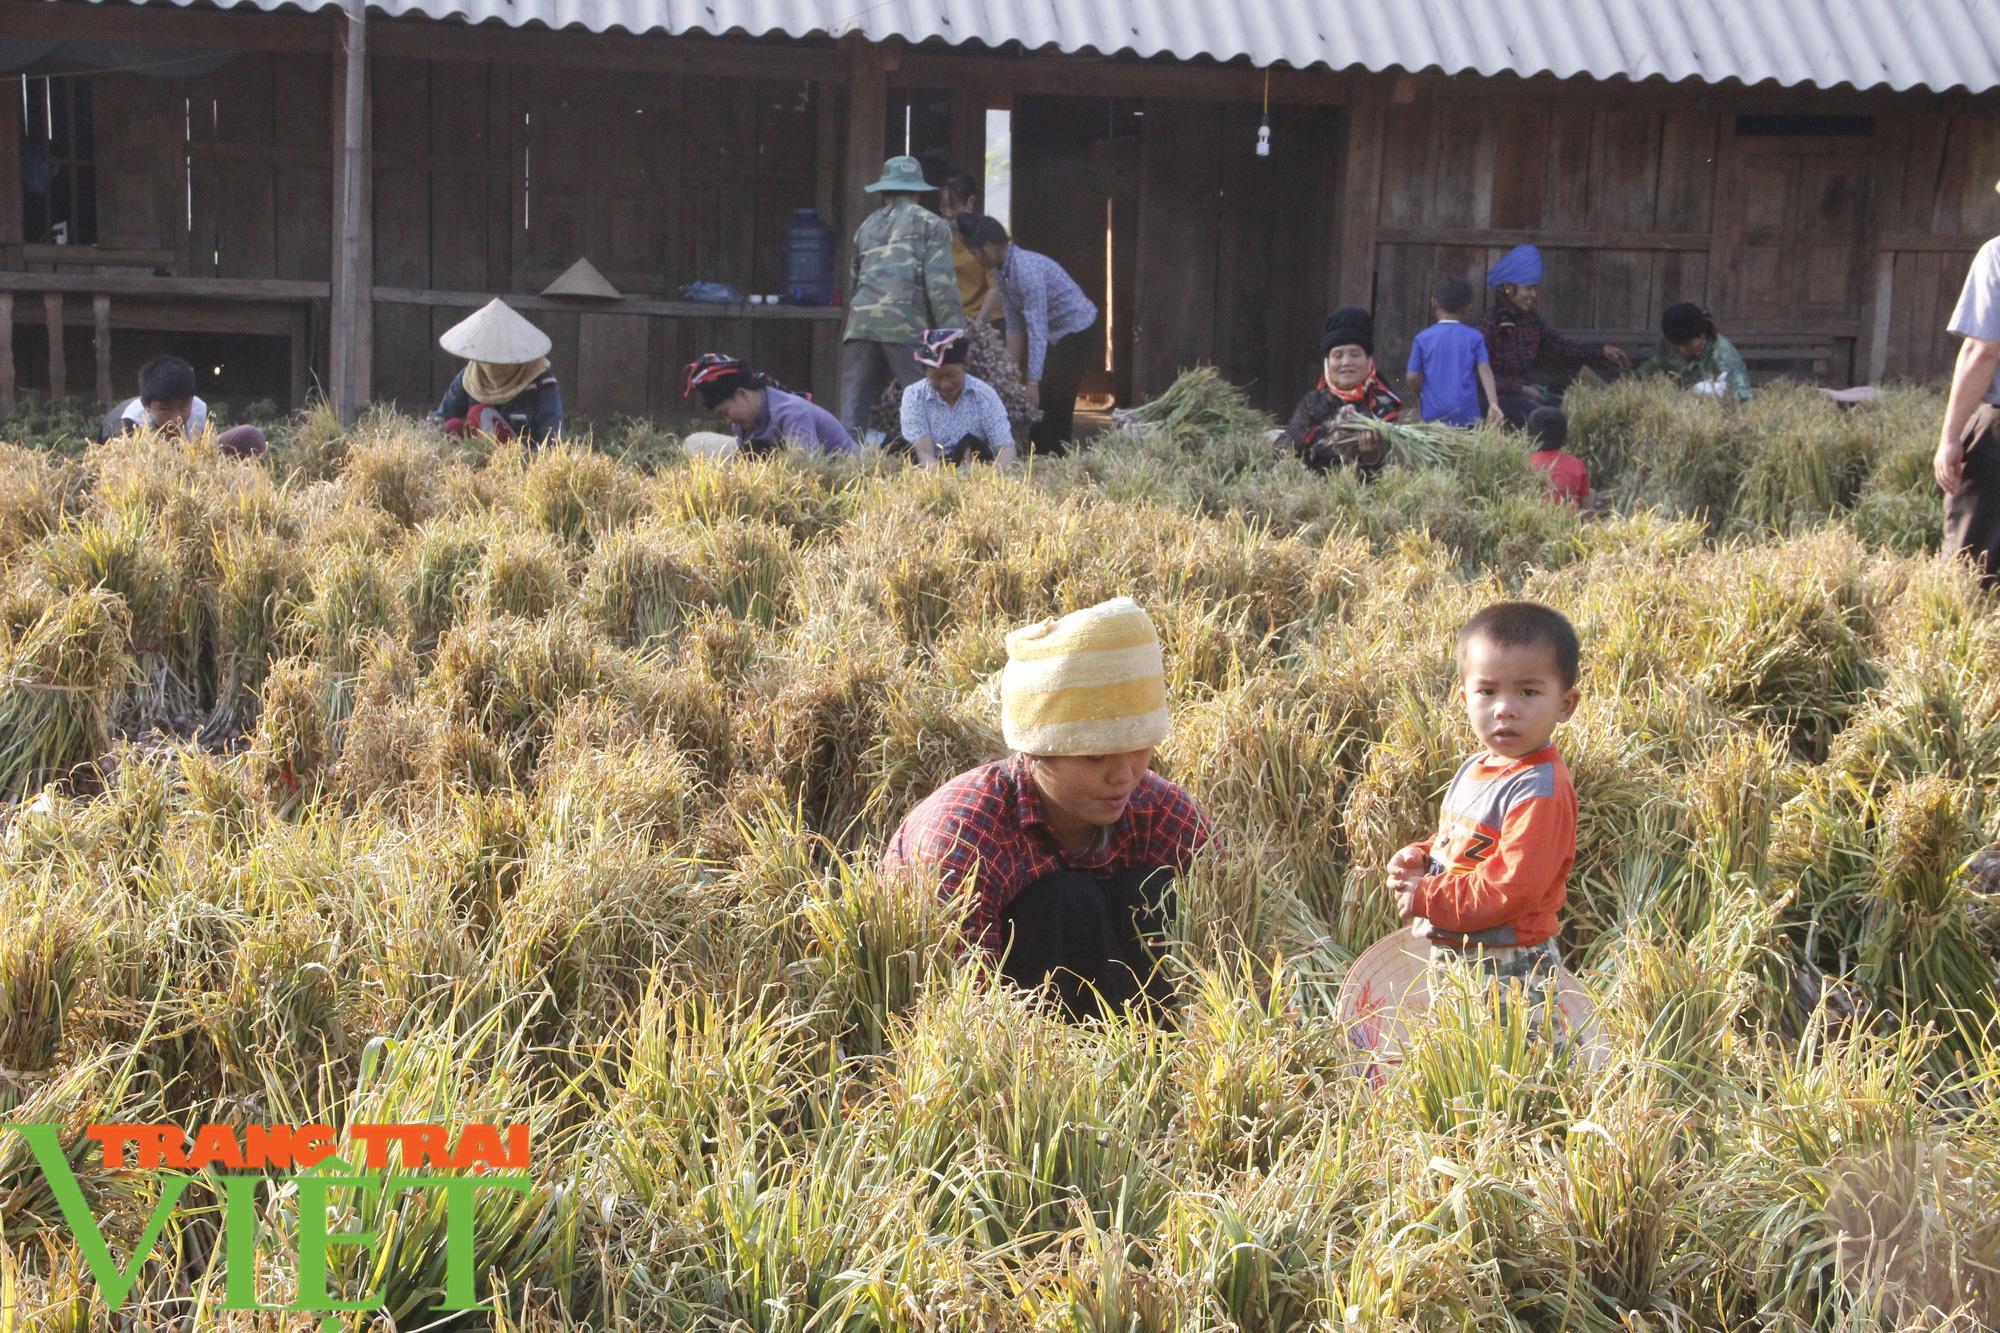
[(167, 403), (1967, 462), (506, 389), (1518, 339), (1052, 327), (900, 282), (1067, 852)]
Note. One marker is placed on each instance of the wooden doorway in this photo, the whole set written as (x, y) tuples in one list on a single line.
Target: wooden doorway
[(1234, 248), (1076, 190), (1794, 226)]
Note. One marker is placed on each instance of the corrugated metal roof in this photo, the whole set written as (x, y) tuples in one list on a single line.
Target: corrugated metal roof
[(1936, 44)]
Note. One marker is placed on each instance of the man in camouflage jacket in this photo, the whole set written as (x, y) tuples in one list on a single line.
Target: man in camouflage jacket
[(902, 282)]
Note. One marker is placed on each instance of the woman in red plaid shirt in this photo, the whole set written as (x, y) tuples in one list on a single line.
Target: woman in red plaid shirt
[(1517, 338), (1068, 850)]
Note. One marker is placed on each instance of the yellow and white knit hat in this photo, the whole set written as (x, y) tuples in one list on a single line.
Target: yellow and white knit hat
[(1089, 683)]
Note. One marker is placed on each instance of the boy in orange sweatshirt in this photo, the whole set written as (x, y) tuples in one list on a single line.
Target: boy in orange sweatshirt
[(1486, 890)]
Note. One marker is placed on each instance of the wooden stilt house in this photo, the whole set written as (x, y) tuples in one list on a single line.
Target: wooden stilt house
[(299, 196)]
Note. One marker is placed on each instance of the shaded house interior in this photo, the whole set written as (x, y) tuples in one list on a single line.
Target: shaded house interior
[(172, 179)]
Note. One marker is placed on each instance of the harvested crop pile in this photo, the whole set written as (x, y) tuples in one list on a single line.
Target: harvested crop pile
[(562, 786)]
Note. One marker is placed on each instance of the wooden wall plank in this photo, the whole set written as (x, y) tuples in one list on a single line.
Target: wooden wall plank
[(235, 207), (1359, 204), (1948, 195), (1179, 161), (1520, 180), (867, 104), (1625, 170), (235, 220), (1251, 272), (613, 353), (1896, 359), (136, 199), (1952, 269), (1623, 290), (1685, 198), (1569, 288), (1679, 276), (403, 229), (1567, 182), (1979, 212), (303, 204), (10, 196), (7, 403), (403, 342), (1462, 190), (1409, 164), (562, 329)]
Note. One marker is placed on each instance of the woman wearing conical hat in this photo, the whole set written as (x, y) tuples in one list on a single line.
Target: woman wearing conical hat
[(505, 390), (1067, 852)]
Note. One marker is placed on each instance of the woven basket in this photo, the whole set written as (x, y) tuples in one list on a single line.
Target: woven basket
[(1390, 985)]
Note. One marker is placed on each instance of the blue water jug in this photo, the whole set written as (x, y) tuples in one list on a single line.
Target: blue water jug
[(806, 264)]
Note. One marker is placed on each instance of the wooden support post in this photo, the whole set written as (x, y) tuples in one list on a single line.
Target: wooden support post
[(353, 306), (301, 342), (1360, 196), (52, 308), (826, 160), (6, 353), (867, 106), (1888, 169), (968, 135), (1877, 364), (100, 320)]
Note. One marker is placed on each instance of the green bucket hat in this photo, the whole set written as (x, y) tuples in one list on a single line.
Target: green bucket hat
[(904, 174)]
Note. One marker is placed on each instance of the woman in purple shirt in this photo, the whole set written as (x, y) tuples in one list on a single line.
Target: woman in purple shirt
[(763, 416)]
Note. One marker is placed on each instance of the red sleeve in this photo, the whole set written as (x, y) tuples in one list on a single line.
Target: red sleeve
[(1178, 830), (930, 852), (1537, 843)]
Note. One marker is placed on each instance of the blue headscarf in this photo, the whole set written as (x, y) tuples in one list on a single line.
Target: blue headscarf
[(1521, 266)]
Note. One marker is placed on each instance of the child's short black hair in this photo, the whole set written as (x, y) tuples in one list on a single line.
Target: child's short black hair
[(1548, 428), (1452, 293), (1516, 624), (166, 379)]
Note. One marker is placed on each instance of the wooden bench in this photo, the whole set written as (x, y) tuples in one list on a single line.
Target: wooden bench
[(1820, 358)]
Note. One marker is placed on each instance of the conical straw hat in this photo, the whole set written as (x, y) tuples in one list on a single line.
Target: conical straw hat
[(1389, 986), (583, 279), (496, 335)]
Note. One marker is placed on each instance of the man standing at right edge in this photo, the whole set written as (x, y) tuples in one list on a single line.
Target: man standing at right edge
[(901, 283), (1967, 462)]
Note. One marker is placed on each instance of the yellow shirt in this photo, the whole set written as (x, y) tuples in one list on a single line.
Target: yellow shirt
[(974, 281)]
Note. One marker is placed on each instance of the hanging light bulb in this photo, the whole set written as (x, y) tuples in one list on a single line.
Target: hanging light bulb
[(1264, 126)]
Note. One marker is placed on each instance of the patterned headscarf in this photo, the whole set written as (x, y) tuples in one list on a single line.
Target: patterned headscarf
[(943, 347), (716, 377)]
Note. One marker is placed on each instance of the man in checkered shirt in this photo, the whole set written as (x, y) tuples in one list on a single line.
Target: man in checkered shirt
[(1065, 854)]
